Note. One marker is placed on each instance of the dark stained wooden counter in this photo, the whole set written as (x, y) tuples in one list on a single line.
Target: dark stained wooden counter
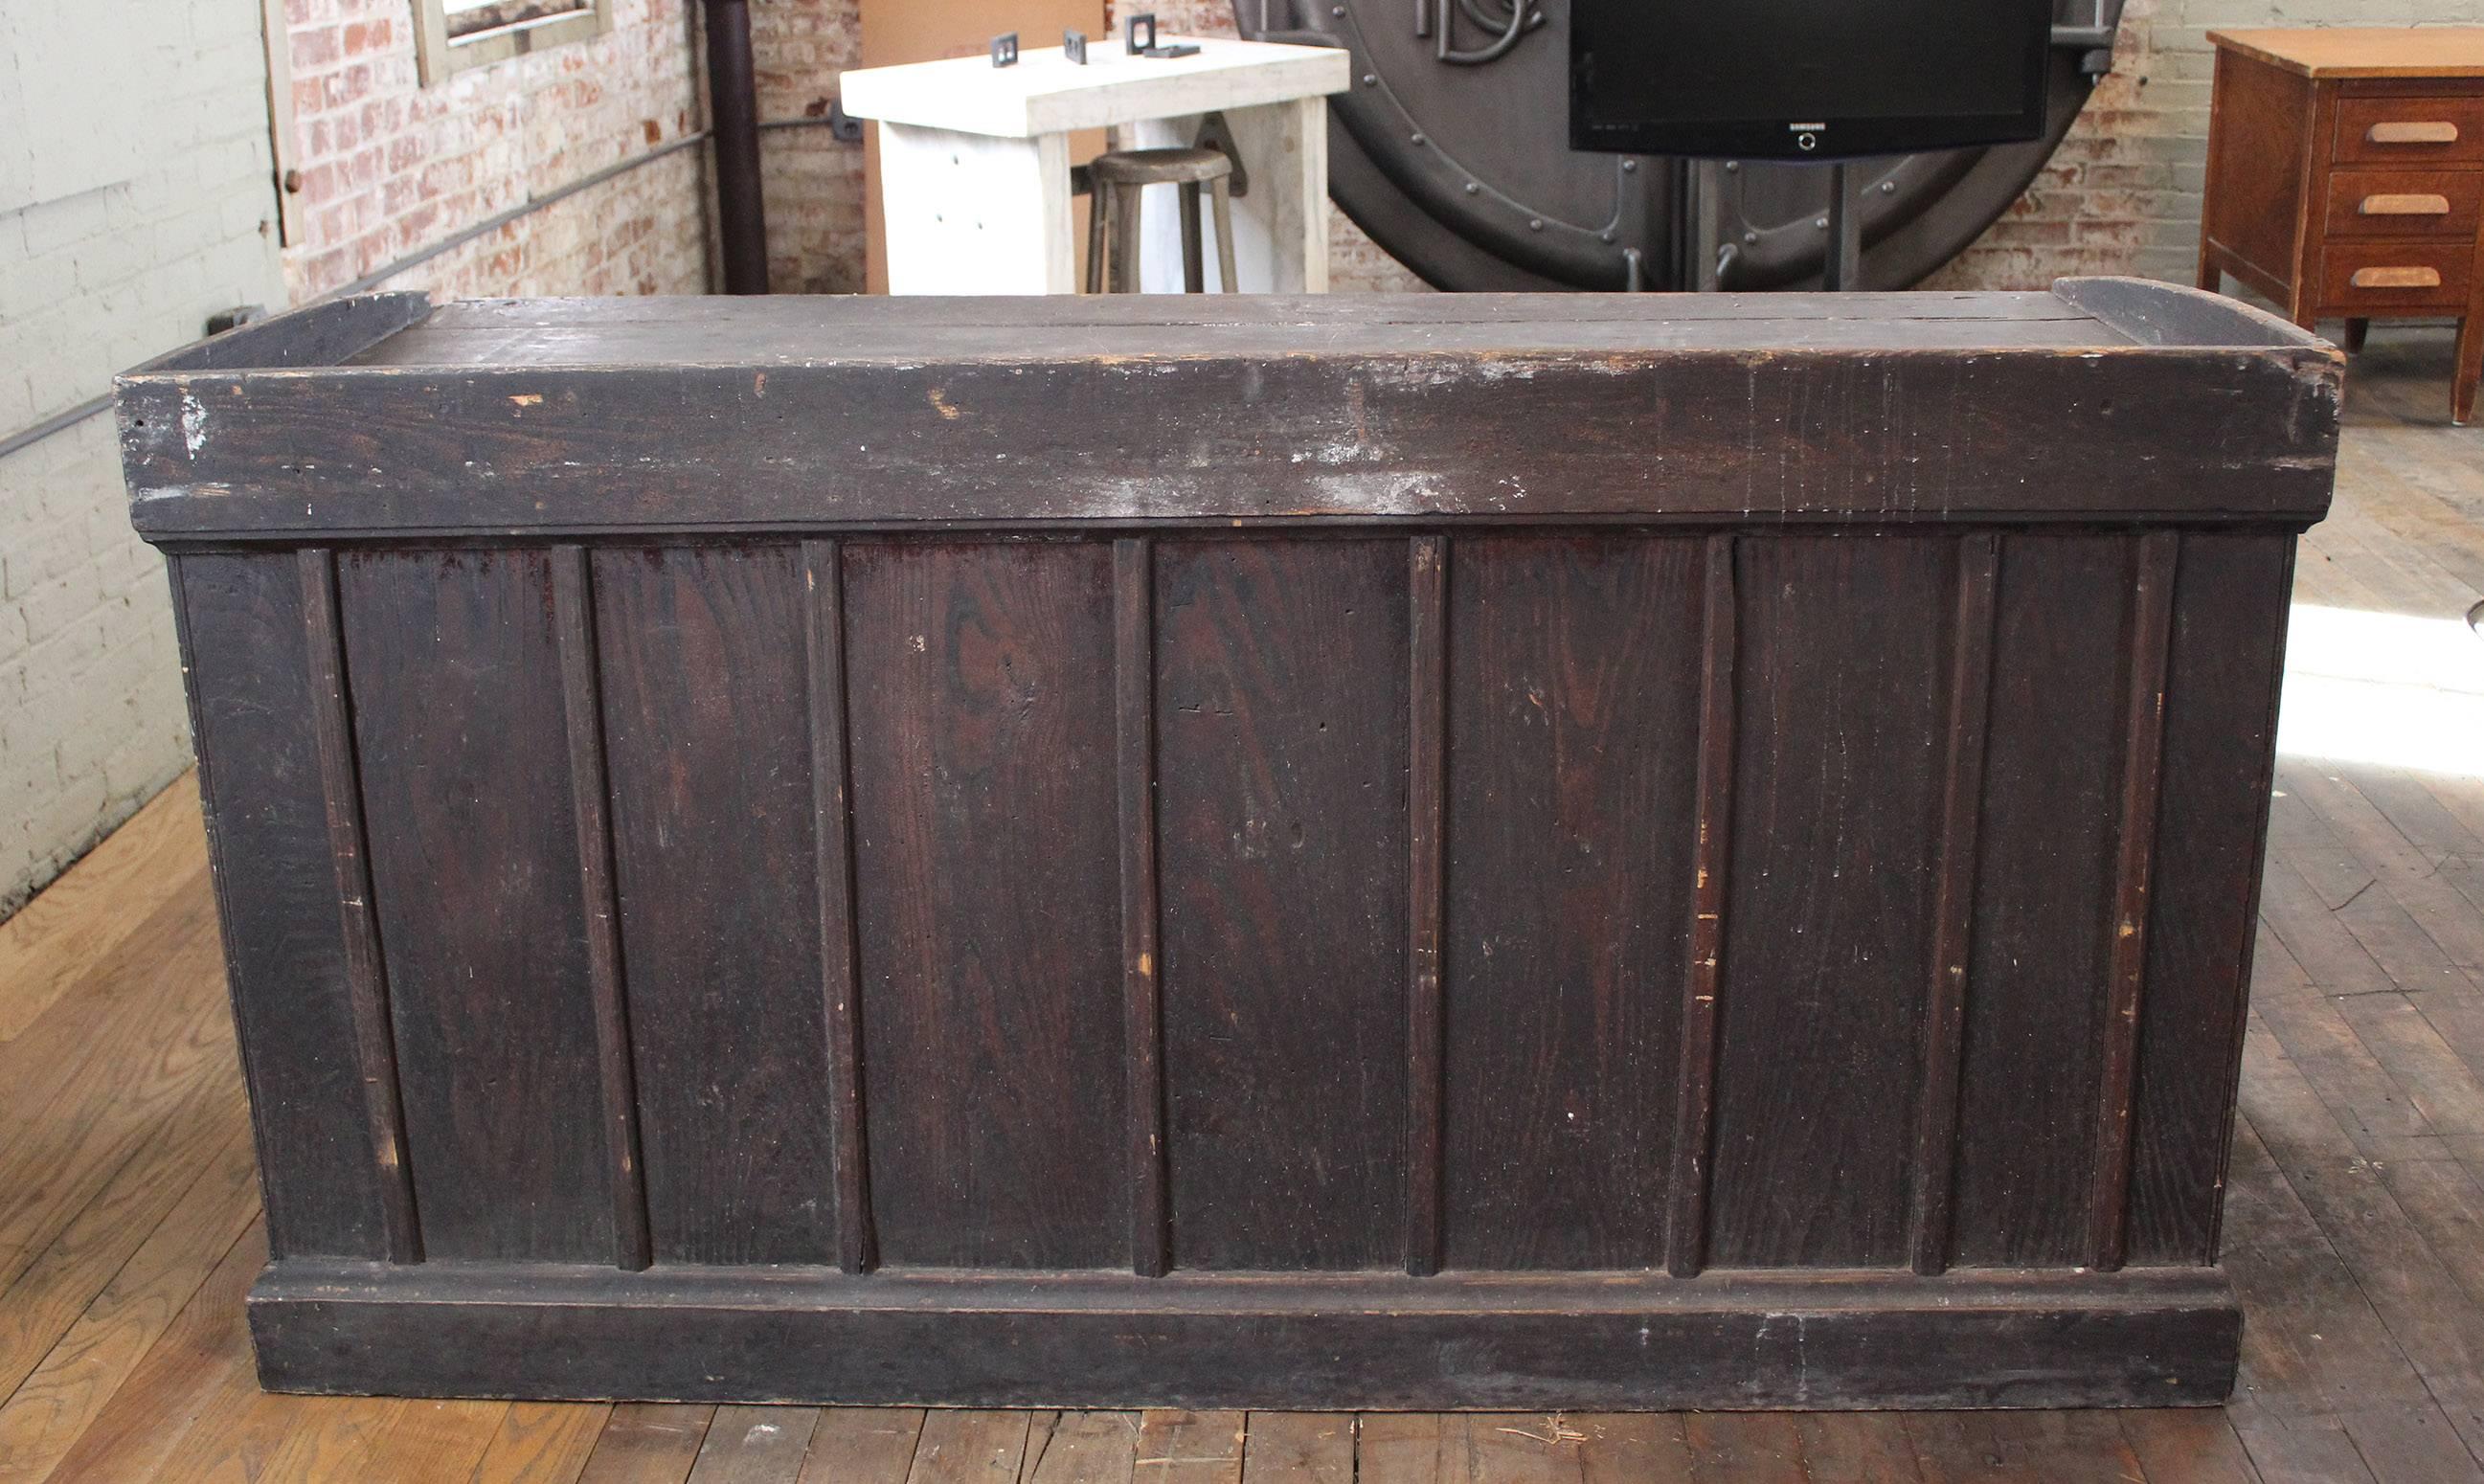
[(1465, 851)]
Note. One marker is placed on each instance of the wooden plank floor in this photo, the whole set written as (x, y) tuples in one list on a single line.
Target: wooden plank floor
[(129, 1216)]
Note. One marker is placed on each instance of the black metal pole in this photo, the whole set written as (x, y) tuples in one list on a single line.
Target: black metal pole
[(1842, 257), (732, 103)]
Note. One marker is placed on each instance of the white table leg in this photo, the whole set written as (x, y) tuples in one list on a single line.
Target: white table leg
[(976, 214), (1280, 230)]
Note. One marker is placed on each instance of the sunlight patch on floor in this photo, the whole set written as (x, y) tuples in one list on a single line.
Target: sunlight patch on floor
[(2385, 688)]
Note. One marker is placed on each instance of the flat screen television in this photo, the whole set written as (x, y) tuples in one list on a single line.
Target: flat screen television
[(1805, 79)]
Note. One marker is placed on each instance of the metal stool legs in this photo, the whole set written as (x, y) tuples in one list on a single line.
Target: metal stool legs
[(1113, 217)]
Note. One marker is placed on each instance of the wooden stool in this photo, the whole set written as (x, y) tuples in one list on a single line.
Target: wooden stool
[(1119, 178)]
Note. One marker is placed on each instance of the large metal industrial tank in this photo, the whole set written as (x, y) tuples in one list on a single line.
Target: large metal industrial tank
[(1452, 151)]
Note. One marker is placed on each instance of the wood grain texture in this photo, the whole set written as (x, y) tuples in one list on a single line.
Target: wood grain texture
[(1282, 727), (47, 945), (2290, 1414), (862, 1443), (49, 1406), (648, 1443), (867, 443), (541, 1442), (754, 1445), (328, 334), (1134, 665), (832, 869), (960, 1447), (1574, 672), (62, 1248), (989, 904), (464, 760), (366, 985), (197, 1369), (1299, 1447), (2227, 652), (1087, 1447), (254, 704), (1428, 704), (1694, 1116), (1963, 756), (635, 421), (433, 1439), (582, 713), (1162, 915), (1364, 1341), (703, 656), (1177, 1445), (2036, 975), (1840, 675), (2135, 831), (2427, 52)]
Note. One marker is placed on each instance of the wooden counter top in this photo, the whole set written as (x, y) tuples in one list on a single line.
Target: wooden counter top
[(385, 414), (2366, 51)]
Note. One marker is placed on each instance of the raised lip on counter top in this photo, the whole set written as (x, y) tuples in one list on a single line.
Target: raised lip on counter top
[(330, 336)]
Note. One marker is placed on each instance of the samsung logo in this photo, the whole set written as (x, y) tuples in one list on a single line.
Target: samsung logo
[(1801, 127)]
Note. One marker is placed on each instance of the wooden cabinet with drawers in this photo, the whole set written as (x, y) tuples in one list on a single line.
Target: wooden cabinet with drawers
[(2346, 178)]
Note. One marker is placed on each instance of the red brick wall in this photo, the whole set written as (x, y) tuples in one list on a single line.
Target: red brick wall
[(389, 166), (812, 180), (2122, 192)]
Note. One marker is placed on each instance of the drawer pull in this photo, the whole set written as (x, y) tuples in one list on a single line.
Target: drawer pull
[(2406, 205), (2443, 132), (2397, 278)]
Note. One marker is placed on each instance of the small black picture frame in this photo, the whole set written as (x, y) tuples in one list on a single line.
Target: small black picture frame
[(1074, 46), (1004, 49), (1139, 37)]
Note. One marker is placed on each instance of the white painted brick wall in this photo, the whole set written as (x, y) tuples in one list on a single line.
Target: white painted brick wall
[(91, 719)]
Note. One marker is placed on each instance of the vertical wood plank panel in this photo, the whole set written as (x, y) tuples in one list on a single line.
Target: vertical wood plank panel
[(1282, 733), (829, 727), (988, 877), (1970, 695), (1573, 740), (581, 710), (1686, 1222), (1134, 692), (2043, 900), (2227, 654), (1841, 666), (2142, 760), (366, 984), (705, 714), (1427, 590), (256, 709), (474, 861)]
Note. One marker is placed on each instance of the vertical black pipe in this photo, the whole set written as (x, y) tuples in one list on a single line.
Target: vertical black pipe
[(733, 105), (1842, 264)]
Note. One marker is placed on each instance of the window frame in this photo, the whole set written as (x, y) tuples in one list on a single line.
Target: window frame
[(438, 57)]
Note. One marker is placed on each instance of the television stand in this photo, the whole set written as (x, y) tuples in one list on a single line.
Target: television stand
[(1841, 265), (1841, 268)]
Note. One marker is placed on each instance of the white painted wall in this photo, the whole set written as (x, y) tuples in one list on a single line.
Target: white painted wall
[(116, 244)]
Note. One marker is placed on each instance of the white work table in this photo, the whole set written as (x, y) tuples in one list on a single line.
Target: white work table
[(975, 160)]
